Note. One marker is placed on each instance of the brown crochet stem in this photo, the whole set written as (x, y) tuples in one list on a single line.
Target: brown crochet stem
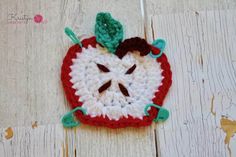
[(133, 44)]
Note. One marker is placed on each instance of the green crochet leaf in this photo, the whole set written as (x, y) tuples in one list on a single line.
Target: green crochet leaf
[(108, 31)]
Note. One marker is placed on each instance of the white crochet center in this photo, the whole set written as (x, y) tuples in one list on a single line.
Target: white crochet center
[(141, 84)]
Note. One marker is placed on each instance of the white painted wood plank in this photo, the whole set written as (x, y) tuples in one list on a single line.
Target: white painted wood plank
[(156, 7), (201, 50), (55, 141)]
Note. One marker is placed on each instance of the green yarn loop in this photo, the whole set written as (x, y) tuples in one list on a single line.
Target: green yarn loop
[(108, 31)]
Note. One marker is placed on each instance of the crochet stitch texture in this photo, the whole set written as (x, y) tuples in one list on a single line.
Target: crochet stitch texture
[(108, 31), (114, 83), (141, 84), (74, 100)]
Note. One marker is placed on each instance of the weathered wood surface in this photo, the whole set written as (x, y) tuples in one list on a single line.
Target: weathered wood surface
[(201, 48), (202, 55)]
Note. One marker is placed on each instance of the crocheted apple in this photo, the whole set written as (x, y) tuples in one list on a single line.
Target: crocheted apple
[(115, 83)]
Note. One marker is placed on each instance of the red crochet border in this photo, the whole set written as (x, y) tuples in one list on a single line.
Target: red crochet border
[(100, 120)]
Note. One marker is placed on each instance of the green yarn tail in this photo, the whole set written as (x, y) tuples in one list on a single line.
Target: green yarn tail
[(108, 31)]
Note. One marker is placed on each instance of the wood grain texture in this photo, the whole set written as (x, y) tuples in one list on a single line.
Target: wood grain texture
[(201, 51), (54, 140), (157, 7), (200, 39)]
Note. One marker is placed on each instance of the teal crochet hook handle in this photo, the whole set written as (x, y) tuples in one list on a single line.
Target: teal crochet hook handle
[(72, 36), (160, 44), (68, 120), (163, 113)]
